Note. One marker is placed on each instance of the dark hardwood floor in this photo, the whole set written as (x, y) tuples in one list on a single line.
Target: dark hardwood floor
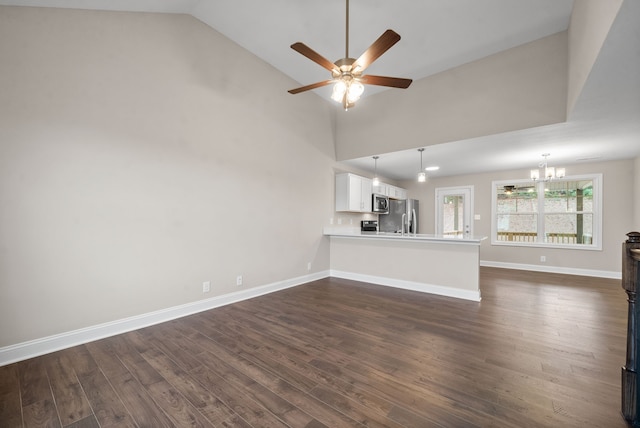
[(540, 350)]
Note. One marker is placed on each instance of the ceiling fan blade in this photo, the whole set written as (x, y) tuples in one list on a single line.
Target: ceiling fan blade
[(394, 82), (380, 46), (314, 56), (309, 87)]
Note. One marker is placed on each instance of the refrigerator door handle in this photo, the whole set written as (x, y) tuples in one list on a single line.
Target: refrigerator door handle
[(414, 218), (403, 224)]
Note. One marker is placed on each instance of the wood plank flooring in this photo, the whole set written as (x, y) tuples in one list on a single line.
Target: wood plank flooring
[(540, 350)]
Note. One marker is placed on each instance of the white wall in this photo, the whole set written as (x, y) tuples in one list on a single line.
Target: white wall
[(140, 155), (618, 193)]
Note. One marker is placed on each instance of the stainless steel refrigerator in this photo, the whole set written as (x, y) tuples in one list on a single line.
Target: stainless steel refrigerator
[(392, 222)]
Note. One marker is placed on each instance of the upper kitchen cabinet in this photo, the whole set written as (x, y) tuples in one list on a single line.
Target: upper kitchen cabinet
[(353, 193), (380, 189), (390, 190), (396, 192)]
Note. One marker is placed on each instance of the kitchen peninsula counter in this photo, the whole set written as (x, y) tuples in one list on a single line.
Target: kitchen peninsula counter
[(473, 240), (435, 264)]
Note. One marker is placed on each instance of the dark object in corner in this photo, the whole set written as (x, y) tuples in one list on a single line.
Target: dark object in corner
[(631, 284)]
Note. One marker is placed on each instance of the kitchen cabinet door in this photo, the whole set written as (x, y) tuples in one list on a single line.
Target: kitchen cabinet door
[(396, 192), (366, 187), (380, 189), (353, 193), (401, 193)]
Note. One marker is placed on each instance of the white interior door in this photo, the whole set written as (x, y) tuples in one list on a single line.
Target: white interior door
[(454, 211)]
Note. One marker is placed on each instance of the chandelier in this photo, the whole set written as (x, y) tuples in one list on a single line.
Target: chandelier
[(550, 172)]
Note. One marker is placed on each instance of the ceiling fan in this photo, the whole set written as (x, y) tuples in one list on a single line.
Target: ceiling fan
[(510, 189), (347, 72)]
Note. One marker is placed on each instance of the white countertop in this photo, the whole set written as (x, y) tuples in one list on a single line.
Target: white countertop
[(356, 233)]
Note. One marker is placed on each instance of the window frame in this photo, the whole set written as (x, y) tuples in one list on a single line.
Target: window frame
[(596, 241)]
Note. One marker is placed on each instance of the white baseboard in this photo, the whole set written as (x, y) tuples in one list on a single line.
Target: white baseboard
[(553, 269), (45, 345), (410, 285)]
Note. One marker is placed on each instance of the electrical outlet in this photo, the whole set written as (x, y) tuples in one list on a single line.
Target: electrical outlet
[(339, 220), (239, 280), (543, 259), (309, 266), (206, 286)]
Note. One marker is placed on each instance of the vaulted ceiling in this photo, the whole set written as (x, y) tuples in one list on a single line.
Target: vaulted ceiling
[(437, 35)]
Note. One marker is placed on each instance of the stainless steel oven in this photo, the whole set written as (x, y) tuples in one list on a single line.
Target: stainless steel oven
[(380, 204)]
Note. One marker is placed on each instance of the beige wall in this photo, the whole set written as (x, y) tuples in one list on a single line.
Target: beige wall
[(140, 155), (590, 23), (618, 191), (516, 89), (450, 269)]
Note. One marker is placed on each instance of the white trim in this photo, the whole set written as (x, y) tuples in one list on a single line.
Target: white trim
[(45, 345), (553, 269), (409, 285)]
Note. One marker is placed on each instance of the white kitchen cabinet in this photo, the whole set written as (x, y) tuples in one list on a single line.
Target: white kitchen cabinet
[(401, 193), (380, 189), (353, 193), (395, 192)]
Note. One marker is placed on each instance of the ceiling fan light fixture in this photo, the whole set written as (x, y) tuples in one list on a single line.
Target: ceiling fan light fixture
[(349, 88), (354, 90), (339, 90)]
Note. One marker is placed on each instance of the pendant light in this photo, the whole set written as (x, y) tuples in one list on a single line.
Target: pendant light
[(422, 176), (376, 180)]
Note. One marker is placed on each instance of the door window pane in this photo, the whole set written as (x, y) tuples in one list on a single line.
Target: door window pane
[(454, 211), (453, 215)]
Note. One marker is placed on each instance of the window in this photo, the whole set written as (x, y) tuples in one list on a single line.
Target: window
[(562, 213)]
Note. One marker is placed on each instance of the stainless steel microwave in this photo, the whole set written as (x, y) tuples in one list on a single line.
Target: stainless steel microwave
[(380, 204)]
